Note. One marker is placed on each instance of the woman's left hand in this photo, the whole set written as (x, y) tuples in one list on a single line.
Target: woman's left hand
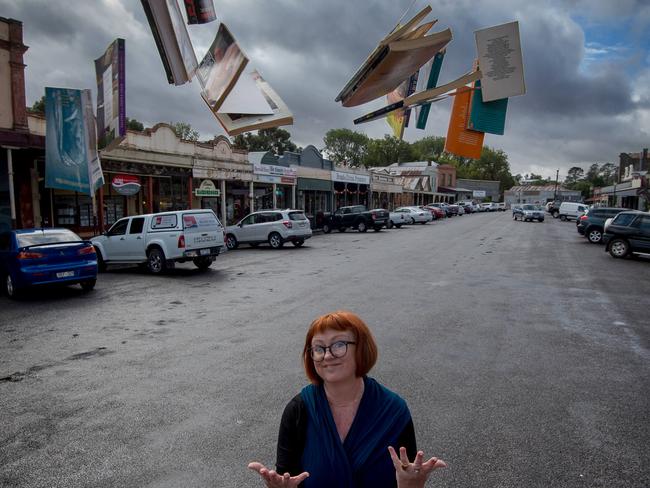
[(413, 474)]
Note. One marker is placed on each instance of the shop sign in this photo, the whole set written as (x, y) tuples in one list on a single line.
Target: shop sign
[(272, 170), (126, 184), (478, 194), (350, 178), (222, 174), (207, 189)]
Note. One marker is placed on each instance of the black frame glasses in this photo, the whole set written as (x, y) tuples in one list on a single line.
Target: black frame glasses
[(318, 353)]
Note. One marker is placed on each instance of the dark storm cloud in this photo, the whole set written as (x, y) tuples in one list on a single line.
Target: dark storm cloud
[(575, 109)]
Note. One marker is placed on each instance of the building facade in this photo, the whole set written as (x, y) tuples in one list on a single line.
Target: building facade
[(480, 190), (540, 194)]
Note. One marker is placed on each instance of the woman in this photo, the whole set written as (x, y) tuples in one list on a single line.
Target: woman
[(341, 429)]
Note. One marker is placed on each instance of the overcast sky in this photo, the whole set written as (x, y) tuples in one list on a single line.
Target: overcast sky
[(587, 66)]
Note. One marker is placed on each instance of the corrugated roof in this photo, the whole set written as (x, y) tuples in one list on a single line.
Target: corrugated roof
[(538, 188)]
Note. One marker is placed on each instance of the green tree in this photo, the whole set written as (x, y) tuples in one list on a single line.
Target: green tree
[(39, 105), (345, 146), (386, 151), (133, 124), (574, 174), (275, 140), (609, 172), (185, 131), (428, 148)]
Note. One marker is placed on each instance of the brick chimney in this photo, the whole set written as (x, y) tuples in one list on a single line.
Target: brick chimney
[(16, 50)]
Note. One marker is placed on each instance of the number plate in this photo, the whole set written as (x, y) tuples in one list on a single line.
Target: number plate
[(65, 274), (205, 252)]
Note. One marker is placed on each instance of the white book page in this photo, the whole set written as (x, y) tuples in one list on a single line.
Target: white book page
[(245, 98), (500, 61)]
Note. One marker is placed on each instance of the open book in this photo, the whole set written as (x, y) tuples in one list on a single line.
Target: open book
[(400, 54), (172, 40)]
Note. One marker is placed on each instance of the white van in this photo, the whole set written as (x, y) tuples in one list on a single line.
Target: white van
[(571, 210), (159, 240)]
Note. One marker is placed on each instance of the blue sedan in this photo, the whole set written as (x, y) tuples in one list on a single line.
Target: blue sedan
[(30, 257)]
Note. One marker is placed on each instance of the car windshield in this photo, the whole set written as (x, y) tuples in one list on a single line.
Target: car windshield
[(529, 207), (47, 237)]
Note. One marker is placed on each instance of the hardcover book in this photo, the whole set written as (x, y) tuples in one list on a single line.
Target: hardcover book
[(460, 140), (487, 116)]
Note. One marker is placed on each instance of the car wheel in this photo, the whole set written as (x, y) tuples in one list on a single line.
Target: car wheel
[(231, 242), (619, 248), (563, 218), (555, 215), (541, 220), (10, 287), (88, 285), (202, 263), (341, 229), (594, 236), (377, 228), (423, 223), (412, 221), (399, 226), (101, 264), (275, 240), (298, 243), (326, 228), (389, 225), (514, 217), (156, 261), (362, 227)]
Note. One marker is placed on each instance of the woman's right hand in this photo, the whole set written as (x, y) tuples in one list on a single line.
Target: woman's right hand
[(276, 480)]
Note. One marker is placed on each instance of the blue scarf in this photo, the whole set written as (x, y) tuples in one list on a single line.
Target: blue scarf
[(362, 461)]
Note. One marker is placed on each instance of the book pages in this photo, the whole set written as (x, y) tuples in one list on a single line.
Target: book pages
[(500, 60), (246, 97)]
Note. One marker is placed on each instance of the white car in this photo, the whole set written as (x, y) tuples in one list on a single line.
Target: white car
[(415, 215), (273, 226), (571, 210), (161, 239), (397, 219)]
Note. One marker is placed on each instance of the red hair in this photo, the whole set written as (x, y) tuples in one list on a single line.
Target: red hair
[(365, 350)]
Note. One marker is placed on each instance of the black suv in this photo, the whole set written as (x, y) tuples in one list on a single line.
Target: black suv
[(628, 233), (592, 223)]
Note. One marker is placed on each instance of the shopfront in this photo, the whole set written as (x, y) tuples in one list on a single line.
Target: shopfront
[(350, 188), (314, 196), (234, 183), (385, 192), (273, 186)]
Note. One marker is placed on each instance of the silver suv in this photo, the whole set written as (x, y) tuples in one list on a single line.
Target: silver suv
[(273, 226)]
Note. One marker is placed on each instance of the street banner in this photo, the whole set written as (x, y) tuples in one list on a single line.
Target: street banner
[(111, 92), (71, 159)]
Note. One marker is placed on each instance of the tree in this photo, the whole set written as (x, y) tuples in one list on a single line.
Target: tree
[(275, 140), (609, 173), (39, 105), (429, 148), (133, 124), (185, 131), (389, 150), (346, 147), (574, 174)]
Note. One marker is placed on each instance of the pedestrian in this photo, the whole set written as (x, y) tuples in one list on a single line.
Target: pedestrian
[(342, 429)]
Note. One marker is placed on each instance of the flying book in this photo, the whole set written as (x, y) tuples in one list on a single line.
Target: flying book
[(487, 116), (432, 68), (500, 60), (199, 11), (220, 68), (460, 140), (427, 96), (252, 105), (400, 54), (172, 40)]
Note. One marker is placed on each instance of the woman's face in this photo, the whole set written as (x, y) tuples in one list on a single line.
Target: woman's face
[(332, 369)]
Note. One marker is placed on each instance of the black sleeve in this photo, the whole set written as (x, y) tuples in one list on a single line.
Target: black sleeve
[(407, 439), (291, 439)]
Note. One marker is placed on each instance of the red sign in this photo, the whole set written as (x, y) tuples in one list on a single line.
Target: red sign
[(126, 184)]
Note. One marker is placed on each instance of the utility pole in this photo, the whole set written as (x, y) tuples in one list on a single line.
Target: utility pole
[(557, 175)]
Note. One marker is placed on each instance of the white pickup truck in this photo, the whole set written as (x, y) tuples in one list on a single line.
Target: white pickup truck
[(159, 240)]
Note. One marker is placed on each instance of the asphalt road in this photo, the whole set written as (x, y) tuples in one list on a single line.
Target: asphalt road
[(522, 350)]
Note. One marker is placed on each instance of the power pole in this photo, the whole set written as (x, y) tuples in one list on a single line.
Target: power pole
[(557, 175)]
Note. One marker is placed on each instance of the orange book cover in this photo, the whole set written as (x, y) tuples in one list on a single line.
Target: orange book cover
[(460, 140)]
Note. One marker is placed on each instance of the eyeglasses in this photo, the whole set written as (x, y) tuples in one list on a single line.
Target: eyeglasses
[(337, 350)]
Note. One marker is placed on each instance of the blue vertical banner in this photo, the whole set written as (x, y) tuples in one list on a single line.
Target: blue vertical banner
[(71, 159)]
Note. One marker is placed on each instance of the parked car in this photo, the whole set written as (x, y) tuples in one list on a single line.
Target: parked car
[(396, 219), (528, 213), (273, 226), (452, 209), (162, 239), (34, 257), (356, 217), (430, 210), (517, 211), (439, 212), (467, 207), (488, 207), (628, 233), (501, 206), (461, 209), (571, 210), (592, 223), (442, 206), (415, 215)]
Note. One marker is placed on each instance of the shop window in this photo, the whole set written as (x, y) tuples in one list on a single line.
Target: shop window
[(113, 209), (73, 211)]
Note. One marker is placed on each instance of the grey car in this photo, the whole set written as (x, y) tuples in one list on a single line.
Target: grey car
[(529, 212), (273, 226)]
